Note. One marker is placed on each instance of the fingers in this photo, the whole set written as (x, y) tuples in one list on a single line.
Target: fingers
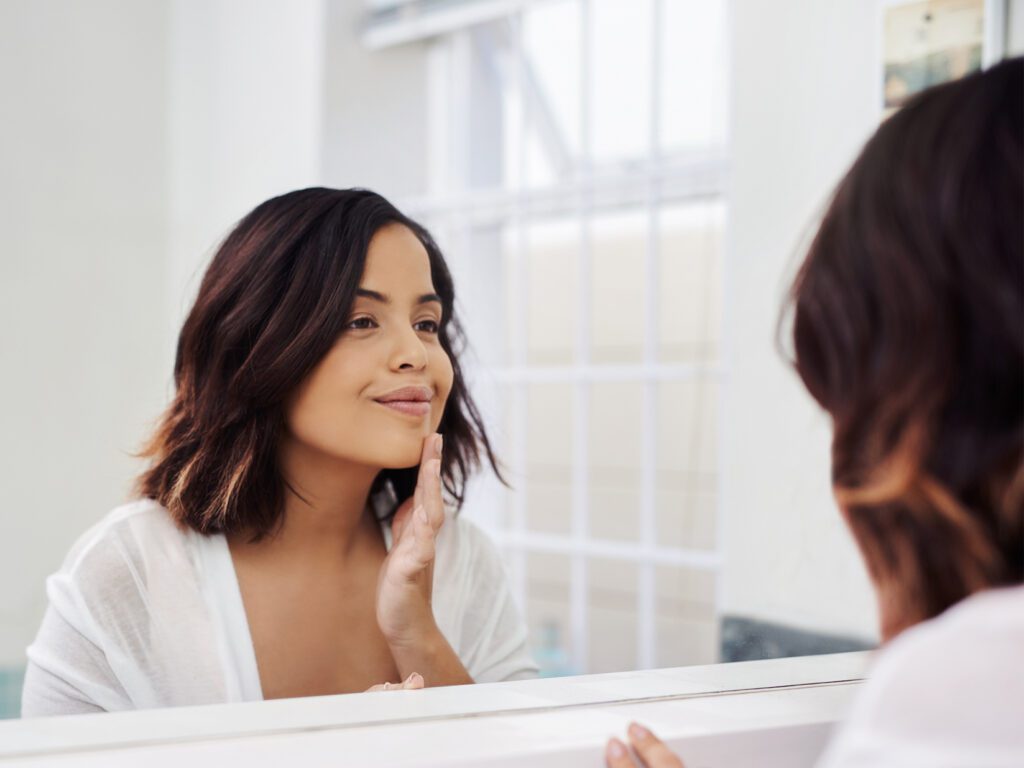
[(428, 451), (422, 540), (432, 500), (651, 750), (428, 491), (401, 519), (617, 756), (412, 683), (428, 483), (415, 552)]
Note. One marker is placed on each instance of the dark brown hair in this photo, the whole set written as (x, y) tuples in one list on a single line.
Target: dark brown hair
[(273, 301), (908, 328)]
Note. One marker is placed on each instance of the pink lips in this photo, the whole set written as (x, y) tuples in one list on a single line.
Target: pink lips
[(411, 401)]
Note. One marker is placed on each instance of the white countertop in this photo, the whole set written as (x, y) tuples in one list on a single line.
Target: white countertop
[(774, 713)]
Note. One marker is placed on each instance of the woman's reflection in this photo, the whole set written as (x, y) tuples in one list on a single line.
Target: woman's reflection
[(291, 536)]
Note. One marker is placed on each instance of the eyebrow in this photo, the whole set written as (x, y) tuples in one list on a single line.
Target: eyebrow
[(366, 293)]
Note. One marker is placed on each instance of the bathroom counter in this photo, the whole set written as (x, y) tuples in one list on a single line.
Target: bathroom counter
[(769, 713)]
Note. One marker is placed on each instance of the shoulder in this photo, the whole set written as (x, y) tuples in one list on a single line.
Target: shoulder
[(468, 566), (968, 645), (463, 542), (125, 544), (949, 683)]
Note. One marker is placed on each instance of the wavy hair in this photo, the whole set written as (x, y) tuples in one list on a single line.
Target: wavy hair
[(271, 304), (908, 329)]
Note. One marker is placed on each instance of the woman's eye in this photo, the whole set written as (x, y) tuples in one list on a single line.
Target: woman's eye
[(427, 326), (361, 324)]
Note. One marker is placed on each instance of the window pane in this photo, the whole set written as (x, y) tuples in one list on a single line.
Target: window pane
[(692, 74), (552, 253), (612, 587), (550, 82), (620, 87), (690, 281), (686, 510), (476, 258), (547, 612), (686, 629), (618, 249), (687, 462), (549, 457), (614, 471)]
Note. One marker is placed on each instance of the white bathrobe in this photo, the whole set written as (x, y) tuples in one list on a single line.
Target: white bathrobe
[(144, 614)]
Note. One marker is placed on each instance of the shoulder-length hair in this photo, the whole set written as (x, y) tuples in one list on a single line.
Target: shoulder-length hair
[(273, 301), (908, 329)]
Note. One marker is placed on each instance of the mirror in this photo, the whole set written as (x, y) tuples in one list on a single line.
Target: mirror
[(621, 190)]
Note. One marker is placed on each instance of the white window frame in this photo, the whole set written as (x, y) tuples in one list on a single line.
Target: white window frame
[(661, 179)]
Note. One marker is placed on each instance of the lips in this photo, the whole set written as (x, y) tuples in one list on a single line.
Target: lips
[(409, 401)]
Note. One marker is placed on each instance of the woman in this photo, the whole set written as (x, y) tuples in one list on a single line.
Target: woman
[(291, 538), (909, 331)]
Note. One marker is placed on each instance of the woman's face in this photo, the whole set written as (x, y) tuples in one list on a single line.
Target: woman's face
[(383, 386)]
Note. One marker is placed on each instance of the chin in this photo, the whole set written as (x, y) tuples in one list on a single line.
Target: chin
[(403, 455)]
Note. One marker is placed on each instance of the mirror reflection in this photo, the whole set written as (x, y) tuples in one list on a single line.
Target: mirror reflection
[(630, 475)]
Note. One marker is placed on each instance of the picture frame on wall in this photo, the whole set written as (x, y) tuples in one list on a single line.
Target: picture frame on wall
[(927, 42)]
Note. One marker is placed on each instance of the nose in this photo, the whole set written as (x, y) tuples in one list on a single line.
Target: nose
[(407, 352)]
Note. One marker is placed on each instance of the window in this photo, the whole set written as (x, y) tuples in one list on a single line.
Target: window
[(577, 180)]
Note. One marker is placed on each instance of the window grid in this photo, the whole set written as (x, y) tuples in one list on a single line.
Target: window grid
[(689, 177), (581, 402)]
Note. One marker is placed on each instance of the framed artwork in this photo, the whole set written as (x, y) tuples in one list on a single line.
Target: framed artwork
[(927, 42)]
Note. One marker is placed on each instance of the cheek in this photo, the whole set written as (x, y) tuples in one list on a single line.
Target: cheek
[(323, 399)]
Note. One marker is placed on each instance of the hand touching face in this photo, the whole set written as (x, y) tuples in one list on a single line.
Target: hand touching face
[(405, 585)]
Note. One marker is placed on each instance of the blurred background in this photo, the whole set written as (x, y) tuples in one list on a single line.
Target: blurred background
[(622, 188)]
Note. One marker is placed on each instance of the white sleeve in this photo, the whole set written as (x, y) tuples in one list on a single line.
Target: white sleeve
[(68, 672), (492, 635)]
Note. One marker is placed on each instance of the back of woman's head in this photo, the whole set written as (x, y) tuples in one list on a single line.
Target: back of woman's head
[(274, 300), (908, 329)]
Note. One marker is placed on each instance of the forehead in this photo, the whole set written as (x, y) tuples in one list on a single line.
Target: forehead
[(395, 259)]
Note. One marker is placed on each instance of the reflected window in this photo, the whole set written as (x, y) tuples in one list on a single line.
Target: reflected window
[(578, 160)]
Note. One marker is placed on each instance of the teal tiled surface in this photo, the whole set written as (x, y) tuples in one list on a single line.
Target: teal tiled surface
[(10, 691)]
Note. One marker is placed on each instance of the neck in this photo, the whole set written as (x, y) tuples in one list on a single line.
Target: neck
[(325, 506)]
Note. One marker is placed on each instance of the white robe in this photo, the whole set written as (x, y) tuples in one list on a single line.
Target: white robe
[(144, 614), (947, 693)]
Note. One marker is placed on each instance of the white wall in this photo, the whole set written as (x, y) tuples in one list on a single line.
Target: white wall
[(375, 109), (245, 121), (803, 78), (134, 136), (83, 206), (268, 97)]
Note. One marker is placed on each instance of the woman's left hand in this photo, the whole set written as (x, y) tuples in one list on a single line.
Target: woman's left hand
[(412, 683), (404, 589), (651, 752)]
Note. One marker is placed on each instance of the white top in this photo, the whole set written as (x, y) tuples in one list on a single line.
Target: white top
[(948, 692), (144, 614)]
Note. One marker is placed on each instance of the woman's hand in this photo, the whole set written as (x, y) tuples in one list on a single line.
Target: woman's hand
[(404, 588), (412, 682), (651, 752)]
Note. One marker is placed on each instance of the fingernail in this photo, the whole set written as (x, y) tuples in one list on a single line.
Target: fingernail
[(638, 732), (415, 679), (421, 513), (615, 749), (438, 445)]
